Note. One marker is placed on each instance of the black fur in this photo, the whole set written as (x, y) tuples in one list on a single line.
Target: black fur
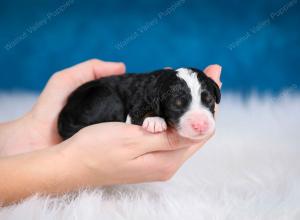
[(159, 93)]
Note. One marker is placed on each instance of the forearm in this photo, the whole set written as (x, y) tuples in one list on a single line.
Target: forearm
[(44, 171)]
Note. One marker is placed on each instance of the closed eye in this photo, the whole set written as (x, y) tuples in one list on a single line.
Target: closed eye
[(206, 98), (178, 102)]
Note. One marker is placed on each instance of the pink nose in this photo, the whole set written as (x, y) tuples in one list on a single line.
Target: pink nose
[(200, 126)]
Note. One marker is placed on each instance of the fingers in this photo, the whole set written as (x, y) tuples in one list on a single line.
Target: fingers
[(159, 166), (146, 142), (177, 156), (214, 72), (62, 83), (93, 69), (162, 165), (86, 71), (136, 139), (140, 141)]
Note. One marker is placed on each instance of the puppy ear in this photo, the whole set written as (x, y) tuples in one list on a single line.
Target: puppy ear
[(216, 92)]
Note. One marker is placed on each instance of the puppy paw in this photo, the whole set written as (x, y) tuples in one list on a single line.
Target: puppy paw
[(154, 124)]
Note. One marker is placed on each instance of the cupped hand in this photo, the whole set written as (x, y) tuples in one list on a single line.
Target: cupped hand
[(117, 153), (98, 155), (126, 149), (38, 128), (60, 86)]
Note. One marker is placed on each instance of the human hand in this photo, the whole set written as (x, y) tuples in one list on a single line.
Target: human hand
[(38, 128), (117, 153), (98, 155)]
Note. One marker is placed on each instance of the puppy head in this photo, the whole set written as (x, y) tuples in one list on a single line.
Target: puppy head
[(189, 102)]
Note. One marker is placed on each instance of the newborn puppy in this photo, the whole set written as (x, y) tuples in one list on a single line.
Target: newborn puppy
[(183, 99)]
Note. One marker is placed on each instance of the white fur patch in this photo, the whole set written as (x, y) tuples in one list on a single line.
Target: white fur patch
[(128, 120), (154, 124)]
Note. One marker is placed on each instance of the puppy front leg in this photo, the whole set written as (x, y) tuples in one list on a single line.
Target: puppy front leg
[(154, 124), (145, 116)]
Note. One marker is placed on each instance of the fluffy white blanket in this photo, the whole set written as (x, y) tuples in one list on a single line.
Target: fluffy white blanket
[(249, 170)]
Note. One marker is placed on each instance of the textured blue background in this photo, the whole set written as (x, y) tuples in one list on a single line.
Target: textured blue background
[(191, 33)]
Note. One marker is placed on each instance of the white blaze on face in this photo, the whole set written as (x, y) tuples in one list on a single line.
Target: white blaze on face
[(197, 122)]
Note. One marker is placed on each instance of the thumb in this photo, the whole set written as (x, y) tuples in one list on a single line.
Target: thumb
[(214, 72)]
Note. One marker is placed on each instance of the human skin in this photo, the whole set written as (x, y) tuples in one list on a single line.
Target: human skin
[(33, 158)]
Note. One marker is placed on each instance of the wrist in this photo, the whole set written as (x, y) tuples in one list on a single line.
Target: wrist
[(64, 172), (21, 136), (9, 135), (73, 164), (84, 170)]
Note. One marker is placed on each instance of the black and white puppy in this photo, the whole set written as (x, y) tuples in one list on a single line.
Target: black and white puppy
[(183, 99)]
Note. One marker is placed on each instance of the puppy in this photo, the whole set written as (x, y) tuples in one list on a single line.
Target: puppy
[(183, 99)]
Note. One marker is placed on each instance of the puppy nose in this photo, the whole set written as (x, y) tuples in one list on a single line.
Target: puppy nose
[(200, 126)]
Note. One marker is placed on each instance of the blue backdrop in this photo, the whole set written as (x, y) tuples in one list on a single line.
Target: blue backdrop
[(257, 42)]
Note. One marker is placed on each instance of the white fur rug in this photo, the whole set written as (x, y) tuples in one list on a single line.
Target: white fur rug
[(250, 170)]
